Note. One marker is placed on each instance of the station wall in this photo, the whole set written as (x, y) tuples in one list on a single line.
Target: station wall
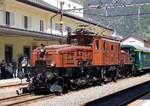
[(18, 44)]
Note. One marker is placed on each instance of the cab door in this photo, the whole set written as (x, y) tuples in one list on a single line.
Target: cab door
[(97, 51)]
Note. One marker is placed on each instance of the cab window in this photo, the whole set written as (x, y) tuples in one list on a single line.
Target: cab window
[(97, 44), (112, 48), (74, 41), (82, 41), (88, 41), (104, 46)]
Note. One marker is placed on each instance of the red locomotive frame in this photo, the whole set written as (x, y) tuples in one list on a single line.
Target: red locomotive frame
[(100, 51)]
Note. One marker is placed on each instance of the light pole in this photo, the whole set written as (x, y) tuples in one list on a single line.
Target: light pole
[(61, 17)]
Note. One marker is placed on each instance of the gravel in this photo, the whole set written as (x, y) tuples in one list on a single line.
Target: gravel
[(83, 96)]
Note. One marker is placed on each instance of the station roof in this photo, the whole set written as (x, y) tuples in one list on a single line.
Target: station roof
[(137, 37), (45, 6), (14, 32)]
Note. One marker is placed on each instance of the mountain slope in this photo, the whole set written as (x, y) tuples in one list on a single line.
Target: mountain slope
[(124, 24)]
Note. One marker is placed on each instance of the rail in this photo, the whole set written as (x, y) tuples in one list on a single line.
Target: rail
[(13, 85), (23, 99)]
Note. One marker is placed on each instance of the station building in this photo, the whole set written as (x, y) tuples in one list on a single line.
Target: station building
[(25, 24), (136, 40)]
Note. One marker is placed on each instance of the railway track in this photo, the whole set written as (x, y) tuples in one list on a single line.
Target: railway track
[(123, 97), (30, 98), (13, 98), (23, 99), (13, 85)]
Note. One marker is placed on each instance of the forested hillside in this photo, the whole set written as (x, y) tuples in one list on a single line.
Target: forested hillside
[(122, 24)]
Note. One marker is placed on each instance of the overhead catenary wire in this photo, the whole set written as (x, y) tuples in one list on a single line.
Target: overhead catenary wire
[(117, 15), (108, 6), (120, 5)]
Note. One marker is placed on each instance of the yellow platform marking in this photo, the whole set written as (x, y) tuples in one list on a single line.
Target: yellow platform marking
[(135, 103)]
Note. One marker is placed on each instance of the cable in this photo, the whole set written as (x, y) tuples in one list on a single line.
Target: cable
[(118, 15)]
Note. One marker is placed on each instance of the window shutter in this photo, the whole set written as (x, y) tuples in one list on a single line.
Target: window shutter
[(4, 17), (23, 21), (12, 19), (30, 22)]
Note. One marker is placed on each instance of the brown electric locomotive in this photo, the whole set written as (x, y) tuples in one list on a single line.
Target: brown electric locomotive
[(86, 59)]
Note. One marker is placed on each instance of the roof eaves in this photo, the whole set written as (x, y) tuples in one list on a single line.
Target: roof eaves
[(39, 5), (29, 33)]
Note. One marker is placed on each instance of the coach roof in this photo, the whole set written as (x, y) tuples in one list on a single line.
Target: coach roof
[(137, 48)]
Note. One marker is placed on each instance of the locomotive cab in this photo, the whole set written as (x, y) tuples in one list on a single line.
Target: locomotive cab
[(80, 40)]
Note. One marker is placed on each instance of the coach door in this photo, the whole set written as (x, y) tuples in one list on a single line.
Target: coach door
[(97, 51)]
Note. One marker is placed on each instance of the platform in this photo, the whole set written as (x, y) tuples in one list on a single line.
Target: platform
[(143, 101), (12, 81)]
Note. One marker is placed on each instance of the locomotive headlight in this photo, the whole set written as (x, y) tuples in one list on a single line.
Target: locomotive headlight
[(53, 64), (42, 50)]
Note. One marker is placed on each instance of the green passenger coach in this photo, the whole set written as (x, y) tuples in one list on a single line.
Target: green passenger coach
[(139, 56)]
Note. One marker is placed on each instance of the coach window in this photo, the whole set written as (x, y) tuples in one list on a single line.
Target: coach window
[(97, 44), (112, 48)]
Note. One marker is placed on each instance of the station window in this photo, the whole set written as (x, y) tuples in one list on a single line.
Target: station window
[(8, 53), (7, 18), (25, 22), (41, 25), (68, 29), (112, 48), (26, 51), (57, 27), (97, 44)]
